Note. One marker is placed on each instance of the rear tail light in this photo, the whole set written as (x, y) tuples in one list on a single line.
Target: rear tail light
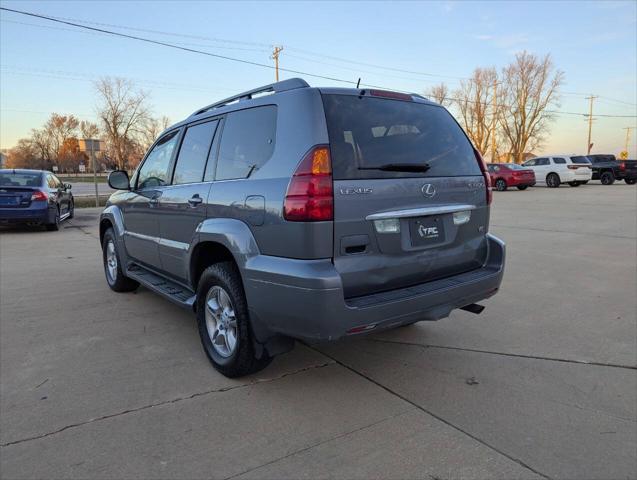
[(39, 195), (389, 94), (485, 174), (310, 194), (622, 165), (574, 167)]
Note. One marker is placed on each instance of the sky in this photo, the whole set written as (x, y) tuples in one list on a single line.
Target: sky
[(48, 67)]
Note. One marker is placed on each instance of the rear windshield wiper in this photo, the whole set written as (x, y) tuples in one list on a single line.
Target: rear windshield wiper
[(400, 167)]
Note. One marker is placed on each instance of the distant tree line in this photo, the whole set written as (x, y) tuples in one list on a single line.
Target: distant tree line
[(517, 120), (125, 125)]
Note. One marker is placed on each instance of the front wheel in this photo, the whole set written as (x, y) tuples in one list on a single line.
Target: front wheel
[(113, 265), (71, 209), (574, 184), (630, 181), (522, 187), (553, 180), (500, 185), (607, 178), (224, 325)]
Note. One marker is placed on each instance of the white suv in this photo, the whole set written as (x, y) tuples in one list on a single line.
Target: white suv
[(554, 170)]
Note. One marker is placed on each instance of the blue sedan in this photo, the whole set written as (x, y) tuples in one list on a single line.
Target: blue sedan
[(34, 197)]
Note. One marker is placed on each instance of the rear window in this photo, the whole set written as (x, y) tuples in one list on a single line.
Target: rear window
[(367, 133), (580, 159), (559, 160), (515, 166), (20, 179)]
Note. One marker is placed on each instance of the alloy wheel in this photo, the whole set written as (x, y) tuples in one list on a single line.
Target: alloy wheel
[(221, 321), (111, 261)]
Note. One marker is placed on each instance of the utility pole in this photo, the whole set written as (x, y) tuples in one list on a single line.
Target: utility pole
[(590, 122), (493, 121), (275, 57), (628, 129)]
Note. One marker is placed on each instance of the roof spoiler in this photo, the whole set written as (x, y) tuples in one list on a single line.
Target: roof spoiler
[(282, 86)]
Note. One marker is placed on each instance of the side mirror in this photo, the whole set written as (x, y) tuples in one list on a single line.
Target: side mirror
[(68, 186), (118, 180)]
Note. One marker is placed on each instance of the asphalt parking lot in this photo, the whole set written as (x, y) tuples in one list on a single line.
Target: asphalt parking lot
[(96, 384)]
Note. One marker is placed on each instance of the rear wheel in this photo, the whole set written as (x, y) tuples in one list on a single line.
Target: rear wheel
[(574, 184), (607, 178), (113, 266), (224, 325), (630, 181), (553, 180), (500, 185), (522, 187), (55, 225)]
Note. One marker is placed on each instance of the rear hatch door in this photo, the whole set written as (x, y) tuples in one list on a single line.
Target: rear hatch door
[(410, 202)]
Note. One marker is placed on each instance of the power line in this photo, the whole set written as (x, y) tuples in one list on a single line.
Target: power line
[(248, 62)]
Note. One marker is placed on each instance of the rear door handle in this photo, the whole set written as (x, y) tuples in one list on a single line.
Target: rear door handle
[(195, 200)]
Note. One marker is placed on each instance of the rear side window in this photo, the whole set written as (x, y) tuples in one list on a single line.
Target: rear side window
[(580, 159), (542, 161), (247, 142), (193, 153), (154, 171), (559, 160), (367, 133), (20, 179)]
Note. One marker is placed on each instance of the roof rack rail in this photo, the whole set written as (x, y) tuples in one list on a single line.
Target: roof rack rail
[(282, 86)]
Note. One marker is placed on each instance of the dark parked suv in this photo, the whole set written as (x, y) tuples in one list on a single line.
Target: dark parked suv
[(291, 212)]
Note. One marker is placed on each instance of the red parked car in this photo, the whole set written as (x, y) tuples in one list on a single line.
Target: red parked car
[(505, 175)]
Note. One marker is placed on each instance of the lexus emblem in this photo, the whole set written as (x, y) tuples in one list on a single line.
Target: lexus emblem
[(428, 190)]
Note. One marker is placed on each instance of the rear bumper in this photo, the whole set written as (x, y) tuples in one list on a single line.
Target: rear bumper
[(23, 215), (576, 176), (521, 181), (304, 298)]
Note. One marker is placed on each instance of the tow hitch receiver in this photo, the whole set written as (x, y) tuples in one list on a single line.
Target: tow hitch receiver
[(473, 308)]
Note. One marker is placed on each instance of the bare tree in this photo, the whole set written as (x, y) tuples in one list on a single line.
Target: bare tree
[(151, 130), (530, 86), (89, 129), (26, 154), (474, 100), (123, 111), (59, 128), (440, 94)]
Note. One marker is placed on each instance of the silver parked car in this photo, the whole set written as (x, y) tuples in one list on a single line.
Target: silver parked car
[(290, 212)]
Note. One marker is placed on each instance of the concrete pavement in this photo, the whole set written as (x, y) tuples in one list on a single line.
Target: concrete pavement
[(543, 384)]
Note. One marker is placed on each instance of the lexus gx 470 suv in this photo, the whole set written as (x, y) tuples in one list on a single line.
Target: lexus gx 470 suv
[(290, 212)]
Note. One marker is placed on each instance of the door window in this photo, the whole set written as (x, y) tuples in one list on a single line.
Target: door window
[(154, 171), (542, 162), (191, 161), (559, 160), (247, 142)]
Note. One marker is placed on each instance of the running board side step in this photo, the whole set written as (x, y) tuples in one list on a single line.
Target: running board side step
[(473, 308), (174, 292)]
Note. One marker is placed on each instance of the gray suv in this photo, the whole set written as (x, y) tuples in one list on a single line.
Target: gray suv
[(290, 212)]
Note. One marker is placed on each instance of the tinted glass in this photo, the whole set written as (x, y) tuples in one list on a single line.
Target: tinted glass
[(366, 133), (530, 163), (20, 179), (580, 159), (559, 160), (193, 153), (542, 161), (154, 171), (247, 142)]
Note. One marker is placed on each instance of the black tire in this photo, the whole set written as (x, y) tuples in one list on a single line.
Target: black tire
[(71, 209), (500, 185), (55, 225), (574, 184), (241, 360), (607, 178), (117, 281), (630, 181), (522, 187), (553, 180)]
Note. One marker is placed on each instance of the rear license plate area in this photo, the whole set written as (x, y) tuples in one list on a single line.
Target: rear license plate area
[(425, 231), (9, 201)]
